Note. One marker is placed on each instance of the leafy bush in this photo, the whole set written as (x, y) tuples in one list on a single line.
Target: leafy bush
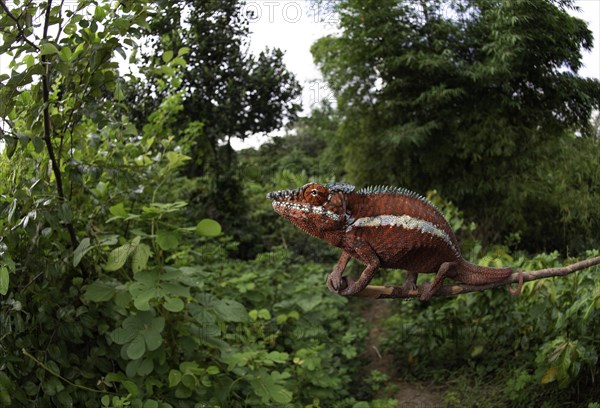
[(142, 311), (545, 342)]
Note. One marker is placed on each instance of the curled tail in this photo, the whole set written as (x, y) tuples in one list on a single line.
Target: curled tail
[(472, 274), (517, 291)]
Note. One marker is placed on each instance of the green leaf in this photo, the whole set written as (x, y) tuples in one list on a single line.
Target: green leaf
[(174, 378), (29, 60), (477, 350), (182, 392), (167, 240), (189, 381), (173, 304), (136, 322), (266, 387), (146, 367), (142, 293), (99, 13), (278, 356), (179, 61), (118, 210), (150, 403), (231, 311), (64, 399), (167, 70), (122, 336), (4, 279), (48, 49), (208, 228), (156, 325), (81, 250), (38, 144), (175, 289), (139, 258), (65, 54), (183, 51), (213, 370), (118, 256), (79, 49), (136, 348), (99, 292), (167, 56), (153, 340), (309, 302), (176, 159), (118, 93), (132, 368)]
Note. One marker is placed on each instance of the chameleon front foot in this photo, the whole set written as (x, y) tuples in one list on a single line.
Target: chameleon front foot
[(344, 286), (336, 284)]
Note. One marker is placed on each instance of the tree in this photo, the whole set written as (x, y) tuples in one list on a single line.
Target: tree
[(233, 93), (109, 295), (467, 97), (305, 153)]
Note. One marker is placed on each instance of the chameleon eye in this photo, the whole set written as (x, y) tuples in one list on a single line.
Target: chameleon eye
[(315, 194)]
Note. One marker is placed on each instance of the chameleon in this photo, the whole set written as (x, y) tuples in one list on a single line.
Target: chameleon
[(382, 227)]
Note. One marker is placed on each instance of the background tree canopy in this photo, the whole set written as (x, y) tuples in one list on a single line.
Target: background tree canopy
[(141, 266), (477, 99), (227, 93)]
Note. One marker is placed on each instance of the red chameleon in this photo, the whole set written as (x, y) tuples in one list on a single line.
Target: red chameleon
[(382, 227)]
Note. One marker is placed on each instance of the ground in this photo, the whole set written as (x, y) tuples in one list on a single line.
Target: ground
[(409, 394)]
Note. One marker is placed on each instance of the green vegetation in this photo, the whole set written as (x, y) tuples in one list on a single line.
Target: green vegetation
[(141, 266), (478, 99)]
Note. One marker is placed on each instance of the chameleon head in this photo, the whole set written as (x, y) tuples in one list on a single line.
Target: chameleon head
[(314, 208)]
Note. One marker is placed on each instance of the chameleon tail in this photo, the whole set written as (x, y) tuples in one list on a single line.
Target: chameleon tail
[(517, 291), (472, 274)]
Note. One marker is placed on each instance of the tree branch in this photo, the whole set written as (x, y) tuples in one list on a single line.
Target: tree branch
[(388, 292), (19, 26), (48, 128)]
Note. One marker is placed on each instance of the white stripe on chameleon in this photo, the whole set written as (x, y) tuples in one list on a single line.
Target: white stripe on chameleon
[(307, 209), (403, 221)]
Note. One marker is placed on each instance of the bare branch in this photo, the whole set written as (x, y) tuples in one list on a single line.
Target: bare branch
[(47, 19), (388, 292), (60, 22)]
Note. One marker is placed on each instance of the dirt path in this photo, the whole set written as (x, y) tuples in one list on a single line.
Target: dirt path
[(410, 395)]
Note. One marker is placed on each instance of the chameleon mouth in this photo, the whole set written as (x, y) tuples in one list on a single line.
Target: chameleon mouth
[(290, 207)]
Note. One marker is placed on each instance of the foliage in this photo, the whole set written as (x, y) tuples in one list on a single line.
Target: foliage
[(471, 98), (288, 162), (542, 345), (110, 295), (114, 293), (233, 92)]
